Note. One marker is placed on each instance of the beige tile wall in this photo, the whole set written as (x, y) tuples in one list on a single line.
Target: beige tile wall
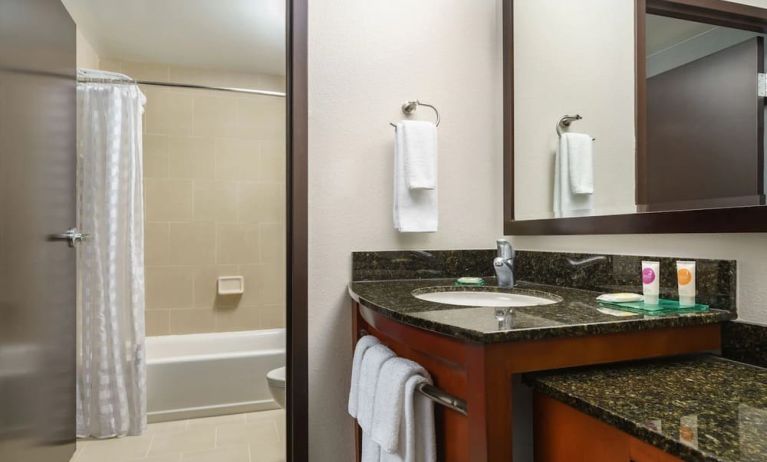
[(214, 178)]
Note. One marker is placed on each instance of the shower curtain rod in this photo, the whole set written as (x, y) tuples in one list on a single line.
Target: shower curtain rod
[(182, 85)]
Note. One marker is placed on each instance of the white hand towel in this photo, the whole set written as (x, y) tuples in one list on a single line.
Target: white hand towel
[(414, 210), (371, 451), (581, 162), (417, 440), (359, 351), (390, 400), (372, 361), (567, 203), (419, 140)]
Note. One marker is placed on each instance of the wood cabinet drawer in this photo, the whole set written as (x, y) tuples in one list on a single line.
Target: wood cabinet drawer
[(564, 434)]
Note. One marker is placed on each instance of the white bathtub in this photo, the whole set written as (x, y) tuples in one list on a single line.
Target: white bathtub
[(201, 375)]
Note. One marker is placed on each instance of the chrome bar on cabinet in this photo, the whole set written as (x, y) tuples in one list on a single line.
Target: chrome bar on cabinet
[(440, 397), (437, 395)]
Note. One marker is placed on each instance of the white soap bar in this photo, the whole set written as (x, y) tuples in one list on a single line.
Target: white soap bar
[(231, 285), (620, 298)]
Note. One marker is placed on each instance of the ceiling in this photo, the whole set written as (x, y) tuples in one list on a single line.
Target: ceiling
[(234, 35), (664, 32)]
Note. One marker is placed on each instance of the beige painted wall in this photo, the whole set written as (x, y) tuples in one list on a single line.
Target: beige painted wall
[(560, 51), (365, 59), (214, 178)]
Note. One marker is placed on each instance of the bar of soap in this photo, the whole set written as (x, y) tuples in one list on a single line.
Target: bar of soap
[(623, 297), (469, 281)]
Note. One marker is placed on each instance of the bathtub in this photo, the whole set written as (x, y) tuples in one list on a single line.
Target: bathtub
[(201, 375)]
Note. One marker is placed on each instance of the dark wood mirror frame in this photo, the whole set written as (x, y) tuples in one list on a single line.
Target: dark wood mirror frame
[(722, 220)]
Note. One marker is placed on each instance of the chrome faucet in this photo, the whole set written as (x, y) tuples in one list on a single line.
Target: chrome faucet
[(504, 263)]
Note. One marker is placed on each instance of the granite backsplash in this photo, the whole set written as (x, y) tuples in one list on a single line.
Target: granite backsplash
[(715, 279), (421, 264), (745, 342)]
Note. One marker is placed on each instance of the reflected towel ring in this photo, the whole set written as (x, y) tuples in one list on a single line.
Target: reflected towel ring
[(410, 107)]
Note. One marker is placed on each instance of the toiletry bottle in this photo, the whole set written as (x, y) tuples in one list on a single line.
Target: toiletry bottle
[(685, 276), (650, 282)]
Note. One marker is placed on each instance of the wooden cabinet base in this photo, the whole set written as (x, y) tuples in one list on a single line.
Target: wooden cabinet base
[(564, 434), (481, 373)]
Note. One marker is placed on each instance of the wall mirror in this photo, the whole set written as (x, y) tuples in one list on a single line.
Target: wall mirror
[(634, 116)]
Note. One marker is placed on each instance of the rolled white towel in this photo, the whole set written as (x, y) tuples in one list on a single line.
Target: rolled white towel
[(359, 351)]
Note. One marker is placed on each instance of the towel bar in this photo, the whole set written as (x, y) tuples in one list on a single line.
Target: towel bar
[(438, 395)]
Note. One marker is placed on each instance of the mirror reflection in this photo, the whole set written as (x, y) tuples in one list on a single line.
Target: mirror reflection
[(598, 132)]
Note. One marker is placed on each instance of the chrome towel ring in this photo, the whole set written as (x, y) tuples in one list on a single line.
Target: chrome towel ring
[(565, 122), (409, 108)]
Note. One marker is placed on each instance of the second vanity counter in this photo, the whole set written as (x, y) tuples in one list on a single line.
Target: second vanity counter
[(696, 408), (578, 313)]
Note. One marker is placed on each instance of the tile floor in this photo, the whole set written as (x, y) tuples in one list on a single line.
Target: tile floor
[(255, 437)]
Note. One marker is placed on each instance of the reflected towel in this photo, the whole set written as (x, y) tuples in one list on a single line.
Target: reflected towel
[(567, 203)]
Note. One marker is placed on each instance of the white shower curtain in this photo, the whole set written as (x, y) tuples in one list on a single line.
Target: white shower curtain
[(111, 392)]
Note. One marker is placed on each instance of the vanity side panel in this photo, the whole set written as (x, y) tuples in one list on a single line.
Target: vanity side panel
[(442, 357)]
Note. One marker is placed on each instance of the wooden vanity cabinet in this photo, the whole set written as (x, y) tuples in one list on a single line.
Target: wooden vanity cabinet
[(564, 434), (481, 373)]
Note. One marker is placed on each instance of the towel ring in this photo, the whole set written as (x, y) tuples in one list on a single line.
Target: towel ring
[(409, 108), (565, 122)]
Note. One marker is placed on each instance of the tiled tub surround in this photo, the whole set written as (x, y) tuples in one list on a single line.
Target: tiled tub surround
[(577, 314), (726, 400), (214, 178)]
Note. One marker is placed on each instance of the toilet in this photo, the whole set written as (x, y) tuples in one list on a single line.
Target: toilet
[(276, 380)]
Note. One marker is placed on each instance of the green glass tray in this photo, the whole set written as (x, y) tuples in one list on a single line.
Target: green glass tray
[(664, 307)]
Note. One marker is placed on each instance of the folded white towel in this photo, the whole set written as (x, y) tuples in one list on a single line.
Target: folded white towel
[(566, 202), (419, 142), (581, 162), (371, 451), (359, 351), (414, 210), (417, 441), (390, 399), (372, 362), (403, 419)]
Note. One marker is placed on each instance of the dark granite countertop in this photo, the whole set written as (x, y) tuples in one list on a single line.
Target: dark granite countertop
[(699, 408), (578, 313)]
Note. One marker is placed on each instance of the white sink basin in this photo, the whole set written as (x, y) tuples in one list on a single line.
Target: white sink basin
[(483, 298)]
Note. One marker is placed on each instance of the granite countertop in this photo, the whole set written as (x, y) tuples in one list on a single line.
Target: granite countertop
[(578, 313), (699, 408)]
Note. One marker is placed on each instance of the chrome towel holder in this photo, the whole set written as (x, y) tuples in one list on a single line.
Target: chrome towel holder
[(409, 108), (437, 395), (565, 122)]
